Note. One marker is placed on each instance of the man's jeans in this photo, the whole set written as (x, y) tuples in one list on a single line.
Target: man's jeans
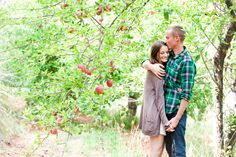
[(175, 141)]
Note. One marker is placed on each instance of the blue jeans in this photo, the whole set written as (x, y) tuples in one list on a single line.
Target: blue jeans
[(175, 141)]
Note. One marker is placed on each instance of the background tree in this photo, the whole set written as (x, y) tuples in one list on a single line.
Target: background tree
[(64, 50)]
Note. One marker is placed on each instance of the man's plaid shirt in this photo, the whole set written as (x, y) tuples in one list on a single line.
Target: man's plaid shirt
[(179, 80)]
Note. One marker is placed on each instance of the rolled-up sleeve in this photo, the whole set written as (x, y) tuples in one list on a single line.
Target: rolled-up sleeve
[(143, 62), (188, 73)]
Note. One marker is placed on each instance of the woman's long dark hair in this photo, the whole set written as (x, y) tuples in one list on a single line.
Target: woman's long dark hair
[(155, 49)]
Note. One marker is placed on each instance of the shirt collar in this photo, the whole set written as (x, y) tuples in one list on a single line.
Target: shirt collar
[(180, 54)]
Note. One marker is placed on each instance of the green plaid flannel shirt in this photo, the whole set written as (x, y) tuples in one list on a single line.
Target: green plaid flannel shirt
[(179, 80)]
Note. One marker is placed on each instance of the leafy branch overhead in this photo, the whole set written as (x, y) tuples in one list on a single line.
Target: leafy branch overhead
[(77, 58)]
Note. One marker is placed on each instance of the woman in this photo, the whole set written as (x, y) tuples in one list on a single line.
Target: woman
[(153, 117)]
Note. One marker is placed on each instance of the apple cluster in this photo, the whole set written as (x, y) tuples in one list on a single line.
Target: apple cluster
[(98, 89), (84, 69), (101, 9), (80, 14)]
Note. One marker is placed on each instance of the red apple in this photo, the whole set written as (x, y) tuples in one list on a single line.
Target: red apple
[(109, 83), (59, 121), (99, 10), (79, 15), (54, 131), (82, 67), (108, 8), (99, 90), (63, 5), (88, 72)]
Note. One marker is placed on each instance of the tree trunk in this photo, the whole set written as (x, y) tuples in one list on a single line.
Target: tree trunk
[(231, 139), (218, 77), (132, 106)]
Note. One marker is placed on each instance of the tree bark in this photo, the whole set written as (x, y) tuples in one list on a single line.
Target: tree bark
[(231, 132), (231, 139), (218, 76)]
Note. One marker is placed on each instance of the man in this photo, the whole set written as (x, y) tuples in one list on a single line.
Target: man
[(179, 80)]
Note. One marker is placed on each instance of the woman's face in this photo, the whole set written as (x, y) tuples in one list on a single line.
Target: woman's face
[(164, 54)]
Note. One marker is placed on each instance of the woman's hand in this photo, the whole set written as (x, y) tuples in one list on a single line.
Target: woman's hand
[(173, 124), (168, 127)]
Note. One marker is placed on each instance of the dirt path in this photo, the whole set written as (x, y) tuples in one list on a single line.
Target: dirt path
[(41, 144)]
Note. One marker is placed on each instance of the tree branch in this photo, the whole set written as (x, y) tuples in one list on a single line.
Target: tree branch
[(204, 62), (144, 4), (92, 18), (229, 4), (19, 47), (127, 6), (48, 6), (208, 38)]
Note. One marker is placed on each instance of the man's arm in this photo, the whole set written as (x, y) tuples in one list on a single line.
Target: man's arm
[(175, 121), (188, 73), (157, 69)]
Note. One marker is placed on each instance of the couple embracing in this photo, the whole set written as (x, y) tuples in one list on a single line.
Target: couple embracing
[(167, 91)]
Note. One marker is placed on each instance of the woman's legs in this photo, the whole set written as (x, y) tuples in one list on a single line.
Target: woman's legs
[(157, 143)]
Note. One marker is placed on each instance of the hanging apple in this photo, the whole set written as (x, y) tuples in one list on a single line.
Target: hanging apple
[(81, 67), (99, 10), (88, 72), (64, 5), (99, 90), (59, 121), (108, 7), (109, 83), (54, 131)]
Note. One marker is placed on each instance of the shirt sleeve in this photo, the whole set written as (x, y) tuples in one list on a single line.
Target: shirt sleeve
[(188, 73), (143, 62)]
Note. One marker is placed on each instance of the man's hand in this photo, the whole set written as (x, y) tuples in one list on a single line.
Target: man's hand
[(156, 69), (174, 122), (169, 128)]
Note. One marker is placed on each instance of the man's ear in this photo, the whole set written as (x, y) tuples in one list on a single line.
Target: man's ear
[(177, 38)]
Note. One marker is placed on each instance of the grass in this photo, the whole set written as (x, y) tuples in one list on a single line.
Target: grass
[(199, 137), (113, 142)]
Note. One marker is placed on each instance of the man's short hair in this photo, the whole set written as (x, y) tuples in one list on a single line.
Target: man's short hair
[(178, 31)]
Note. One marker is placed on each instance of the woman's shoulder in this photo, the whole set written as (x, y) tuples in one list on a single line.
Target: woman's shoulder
[(154, 77)]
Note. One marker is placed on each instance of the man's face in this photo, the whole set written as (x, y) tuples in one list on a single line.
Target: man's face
[(170, 39)]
